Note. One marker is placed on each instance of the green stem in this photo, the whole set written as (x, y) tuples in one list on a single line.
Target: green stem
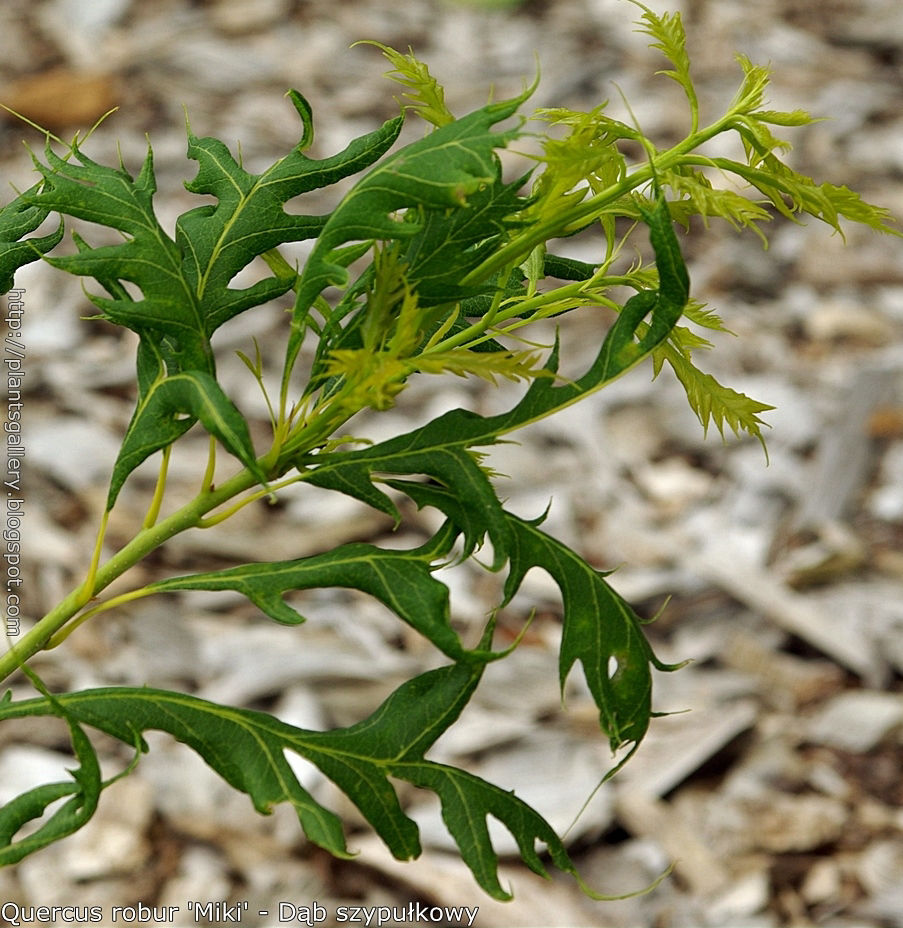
[(154, 511), (562, 223), (57, 639), (192, 515), (503, 315), (570, 220), (147, 540)]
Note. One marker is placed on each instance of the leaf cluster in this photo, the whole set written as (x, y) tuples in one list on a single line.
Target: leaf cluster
[(432, 262)]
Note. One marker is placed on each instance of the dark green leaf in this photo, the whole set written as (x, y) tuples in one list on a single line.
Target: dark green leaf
[(84, 790), (167, 410), (401, 580), (599, 628), (247, 748), (249, 219), (169, 313), (440, 450), (18, 218), (567, 268), (442, 171), (467, 802), (448, 245)]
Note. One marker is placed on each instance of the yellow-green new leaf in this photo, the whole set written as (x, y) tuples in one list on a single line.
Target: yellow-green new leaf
[(425, 92), (670, 39), (712, 401)]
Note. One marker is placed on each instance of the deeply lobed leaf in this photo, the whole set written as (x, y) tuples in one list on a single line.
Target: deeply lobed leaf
[(402, 580), (599, 628), (249, 217), (247, 748), (184, 283)]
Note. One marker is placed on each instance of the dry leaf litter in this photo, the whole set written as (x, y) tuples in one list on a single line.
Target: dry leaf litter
[(776, 787)]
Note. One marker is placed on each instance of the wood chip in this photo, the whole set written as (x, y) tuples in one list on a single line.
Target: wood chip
[(446, 880), (762, 591), (845, 454), (856, 720), (678, 745), (786, 681), (61, 98), (644, 815)]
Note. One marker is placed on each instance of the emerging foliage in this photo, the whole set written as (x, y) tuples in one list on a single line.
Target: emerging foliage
[(432, 262)]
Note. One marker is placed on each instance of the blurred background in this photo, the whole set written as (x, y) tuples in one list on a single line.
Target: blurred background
[(778, 797)]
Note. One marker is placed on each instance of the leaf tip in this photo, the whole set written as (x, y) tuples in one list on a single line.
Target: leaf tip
[(304, 110)]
